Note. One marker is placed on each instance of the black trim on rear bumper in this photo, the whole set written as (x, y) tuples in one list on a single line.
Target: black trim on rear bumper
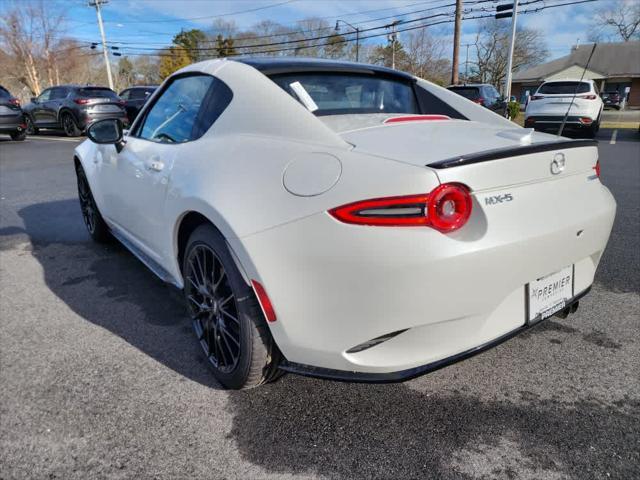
[(403, 375), (511, 152)]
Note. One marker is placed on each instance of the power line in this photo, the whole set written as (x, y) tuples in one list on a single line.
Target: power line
[(347, 40)]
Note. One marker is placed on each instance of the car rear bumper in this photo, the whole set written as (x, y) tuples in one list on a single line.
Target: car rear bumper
[(336, 287), (89, 118), (552, 123), (12, 123), (404, 375)]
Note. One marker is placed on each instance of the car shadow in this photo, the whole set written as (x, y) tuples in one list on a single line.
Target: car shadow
[(109, 287), (307, 427), (393, 431)]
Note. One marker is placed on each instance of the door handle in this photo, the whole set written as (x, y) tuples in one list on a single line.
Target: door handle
[(155, 165)]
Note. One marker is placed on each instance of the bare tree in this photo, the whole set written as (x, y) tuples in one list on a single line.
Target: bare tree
[(620, 17), (492, 47), (426, 56)]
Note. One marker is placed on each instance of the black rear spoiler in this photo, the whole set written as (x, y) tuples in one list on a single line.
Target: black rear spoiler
[(519, 151)]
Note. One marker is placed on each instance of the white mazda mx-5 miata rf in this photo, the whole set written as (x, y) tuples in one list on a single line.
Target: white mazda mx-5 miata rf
[(342, 220)]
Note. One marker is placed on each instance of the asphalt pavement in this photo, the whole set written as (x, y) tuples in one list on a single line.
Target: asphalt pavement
[(101, 376)]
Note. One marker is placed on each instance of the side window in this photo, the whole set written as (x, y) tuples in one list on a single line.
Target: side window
[(58, 93), (125, 95), (185, 110), (45, 96)]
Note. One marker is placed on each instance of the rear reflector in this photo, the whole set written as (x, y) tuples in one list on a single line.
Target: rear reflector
[(446, 208), (416, 118), (265, 303)]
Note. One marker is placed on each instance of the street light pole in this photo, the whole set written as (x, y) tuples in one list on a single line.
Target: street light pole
[(393, 43), (97, 3), (357, 30)]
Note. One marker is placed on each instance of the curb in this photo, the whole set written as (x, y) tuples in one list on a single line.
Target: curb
[(620, 125)]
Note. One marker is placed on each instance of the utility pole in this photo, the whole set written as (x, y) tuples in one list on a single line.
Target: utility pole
[(509, 11), (392, 38), (466, 62), (456, 43), (97, 3)]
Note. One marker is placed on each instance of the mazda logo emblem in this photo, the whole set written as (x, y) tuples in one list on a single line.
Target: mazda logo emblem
[(557, 165)]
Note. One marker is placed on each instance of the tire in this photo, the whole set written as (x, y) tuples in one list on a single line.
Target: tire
[(19, 136), (69, 125), (96, 226), (31, 128), (235, 339)]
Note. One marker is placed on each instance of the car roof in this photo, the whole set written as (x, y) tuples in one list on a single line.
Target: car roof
[(145, 87), (272, 66), (471, 85), (563, 80)]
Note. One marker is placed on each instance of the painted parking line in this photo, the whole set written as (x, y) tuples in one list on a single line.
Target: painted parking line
[(614, 136)]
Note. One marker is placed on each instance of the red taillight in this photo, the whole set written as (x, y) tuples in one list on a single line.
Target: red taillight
[(586, 120), (446, 208), (265, 303), (536, 97), (479, 101), (449, 207), (15, 101), (597, 169), (81, 101), (588, 97), (416, 118)]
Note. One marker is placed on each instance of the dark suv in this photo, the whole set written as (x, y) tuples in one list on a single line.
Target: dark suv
[(11, 117), (135, 98), (72, 108), (482, 94), (612, 100)]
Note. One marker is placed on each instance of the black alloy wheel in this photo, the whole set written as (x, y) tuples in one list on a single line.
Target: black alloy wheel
[(69, 126), (93, 220), (226, 315), (31, 128), (213, 308)]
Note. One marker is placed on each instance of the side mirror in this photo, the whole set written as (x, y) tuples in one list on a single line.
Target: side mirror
[(34, 99), (107, 131)]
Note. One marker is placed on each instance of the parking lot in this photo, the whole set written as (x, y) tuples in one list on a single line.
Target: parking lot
[(102, 377)]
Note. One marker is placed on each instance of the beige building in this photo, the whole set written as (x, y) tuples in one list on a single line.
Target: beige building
[(614, 66)]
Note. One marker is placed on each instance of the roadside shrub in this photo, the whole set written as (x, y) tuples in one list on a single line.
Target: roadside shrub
[(514, 110)]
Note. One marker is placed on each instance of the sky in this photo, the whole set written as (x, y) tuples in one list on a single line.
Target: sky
[(152, 23)]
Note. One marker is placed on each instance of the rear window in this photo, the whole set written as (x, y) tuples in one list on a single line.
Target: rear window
[(472, 93), (138, 93), (564, 88), (97, 93), (4, 93), (348, 93)]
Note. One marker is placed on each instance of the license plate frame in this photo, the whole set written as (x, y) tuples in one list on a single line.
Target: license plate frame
[(557, 304)]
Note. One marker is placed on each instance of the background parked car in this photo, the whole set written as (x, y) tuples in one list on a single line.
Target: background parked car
[(11, 117), (135, 98), (549, 105), (482, 94), (72, 108), (612, 100)]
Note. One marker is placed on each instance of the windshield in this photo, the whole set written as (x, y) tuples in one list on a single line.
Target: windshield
[(564, 88), (347, 93), (471, 93)]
